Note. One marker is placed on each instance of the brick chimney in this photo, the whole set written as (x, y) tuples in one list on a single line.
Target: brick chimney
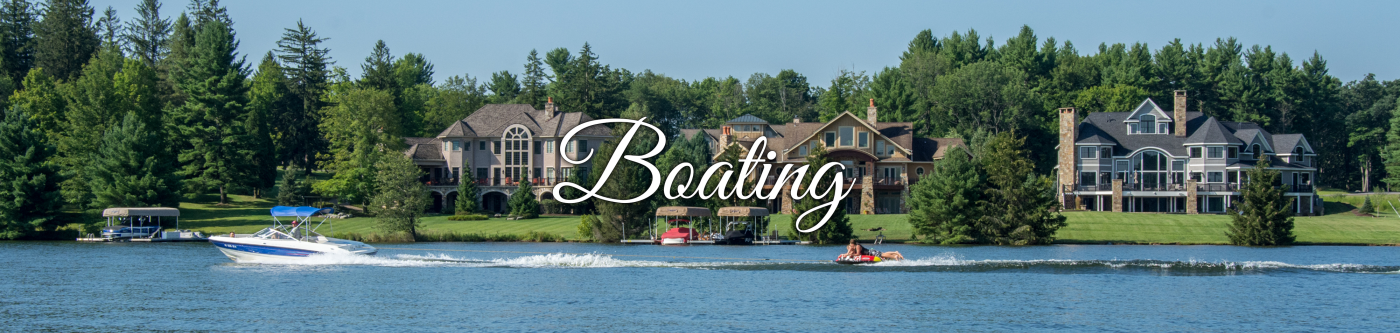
[(725, 136), (1069, 119), (871, 115), (1179, 113)]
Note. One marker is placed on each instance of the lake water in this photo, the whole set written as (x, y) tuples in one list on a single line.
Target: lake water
[(68, 286)]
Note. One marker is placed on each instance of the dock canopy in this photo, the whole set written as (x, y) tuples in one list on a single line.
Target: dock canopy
[(142, 211), (682, 211), (303, 211), (743, 211)]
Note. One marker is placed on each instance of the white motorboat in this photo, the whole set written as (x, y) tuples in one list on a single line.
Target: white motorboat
[(282, 242)]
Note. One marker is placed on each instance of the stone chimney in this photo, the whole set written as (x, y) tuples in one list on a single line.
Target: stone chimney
[(1069, 119), (871, 115), (549, 107), (1179, 113)]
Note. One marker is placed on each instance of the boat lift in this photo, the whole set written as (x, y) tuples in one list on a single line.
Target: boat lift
[(678, 215), (142, 224)]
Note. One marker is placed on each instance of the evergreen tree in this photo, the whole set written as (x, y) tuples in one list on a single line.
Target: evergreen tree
[(522, 202), (847, 93), (618, 221), (110, 87), (399, 199), (1264, 217), (206, 11), (378, 70), (532, 82), (218, 153), (504, 86), (1391, 152), (943, 205), (1019, 206), (29, 200), (287, 189), (466, 191), (306, 68), (1366, 207), (838, 228), (66, 38), (695, 151), (108, 27), (590, 87), (181, 42), (17, 37), (147, 36), (558, 60), (268, 97), (131, 169), (413, 69)]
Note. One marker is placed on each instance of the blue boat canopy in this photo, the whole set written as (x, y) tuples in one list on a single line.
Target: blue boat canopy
[(303, 211)]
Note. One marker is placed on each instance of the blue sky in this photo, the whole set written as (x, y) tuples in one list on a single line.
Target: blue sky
[(694, 40)]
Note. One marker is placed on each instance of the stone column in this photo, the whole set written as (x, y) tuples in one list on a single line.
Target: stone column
[(1118, 195), (1068, 172), (867, 194), (904, 192), (787, 199), (1191, 203)]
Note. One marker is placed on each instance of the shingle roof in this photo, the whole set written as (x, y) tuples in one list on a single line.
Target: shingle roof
[(929, 149), (1110, 126), (1212, 132), (1284, 143), (423, 148), (492, 120)]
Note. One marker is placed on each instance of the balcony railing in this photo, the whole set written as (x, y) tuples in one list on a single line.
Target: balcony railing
[(1299, 188), (498, 181), (888, 181), (1219, 187), (1099, 187)]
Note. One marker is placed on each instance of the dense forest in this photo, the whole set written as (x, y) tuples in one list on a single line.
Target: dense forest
[(103, 111)]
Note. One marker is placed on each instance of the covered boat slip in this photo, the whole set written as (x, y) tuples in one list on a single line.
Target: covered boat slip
[(143, 224), (696, 225)]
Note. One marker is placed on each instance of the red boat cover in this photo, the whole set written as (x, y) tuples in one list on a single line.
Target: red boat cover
[(679, 233)]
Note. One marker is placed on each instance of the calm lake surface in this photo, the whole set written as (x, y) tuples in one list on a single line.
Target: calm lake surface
[(69, 286)]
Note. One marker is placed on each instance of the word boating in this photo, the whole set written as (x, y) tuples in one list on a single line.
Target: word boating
[(723, 189)]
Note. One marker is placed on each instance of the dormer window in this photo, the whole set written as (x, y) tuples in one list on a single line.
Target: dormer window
[(1148, 123), (1258, 151)]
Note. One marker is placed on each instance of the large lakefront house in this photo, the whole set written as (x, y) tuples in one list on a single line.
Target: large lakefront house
[(1146, 160), (882, 159), (500, 144)]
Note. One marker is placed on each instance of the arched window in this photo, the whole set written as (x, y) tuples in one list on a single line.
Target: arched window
[(1258, 151), (1147, 123), (516, 152)]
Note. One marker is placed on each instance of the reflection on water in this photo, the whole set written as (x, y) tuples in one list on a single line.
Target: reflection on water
[(457, 286)]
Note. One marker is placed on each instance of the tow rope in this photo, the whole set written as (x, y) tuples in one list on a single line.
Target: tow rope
[(615, 255)]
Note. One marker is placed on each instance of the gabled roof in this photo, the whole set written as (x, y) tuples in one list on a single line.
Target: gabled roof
[(894, 129), (1212, 132), (747, 119), (1148, 106), (929, 149), (1110, 128), (1286, 142), (492, 120)]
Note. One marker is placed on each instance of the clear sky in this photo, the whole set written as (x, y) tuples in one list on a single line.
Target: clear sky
[(694, 40)]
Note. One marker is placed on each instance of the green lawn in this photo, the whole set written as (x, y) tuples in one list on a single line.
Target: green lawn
[(245, 215)]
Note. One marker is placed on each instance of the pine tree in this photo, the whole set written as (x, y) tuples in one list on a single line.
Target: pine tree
[(943, 205), (1366, 207), (504, 86), (522, 202), (66, 38), (532, 90), (212, 121), (206, 11), (109, 88), (109, 27), (466, 191), (131, 169), (399, 199), (287, 189), (147, 36), (1390, 153), (413, 69), (172, 69), (1019, 207), (306, 67), (378, 70), (1264, 217), (17, 37), (618, 221), (268, 97), (837, 229), (29, 178)]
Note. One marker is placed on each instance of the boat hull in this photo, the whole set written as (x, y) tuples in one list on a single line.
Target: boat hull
[(246, 250)]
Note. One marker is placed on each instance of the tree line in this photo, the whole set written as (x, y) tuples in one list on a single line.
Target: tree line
[(151, 110)]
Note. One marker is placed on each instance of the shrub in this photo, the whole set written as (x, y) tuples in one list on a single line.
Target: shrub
[(471, 217)]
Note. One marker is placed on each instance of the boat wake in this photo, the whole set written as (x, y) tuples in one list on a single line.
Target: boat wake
[(943, 263)]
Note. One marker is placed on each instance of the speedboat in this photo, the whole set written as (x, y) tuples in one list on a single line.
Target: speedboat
[(678, 236), (282, 242)]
